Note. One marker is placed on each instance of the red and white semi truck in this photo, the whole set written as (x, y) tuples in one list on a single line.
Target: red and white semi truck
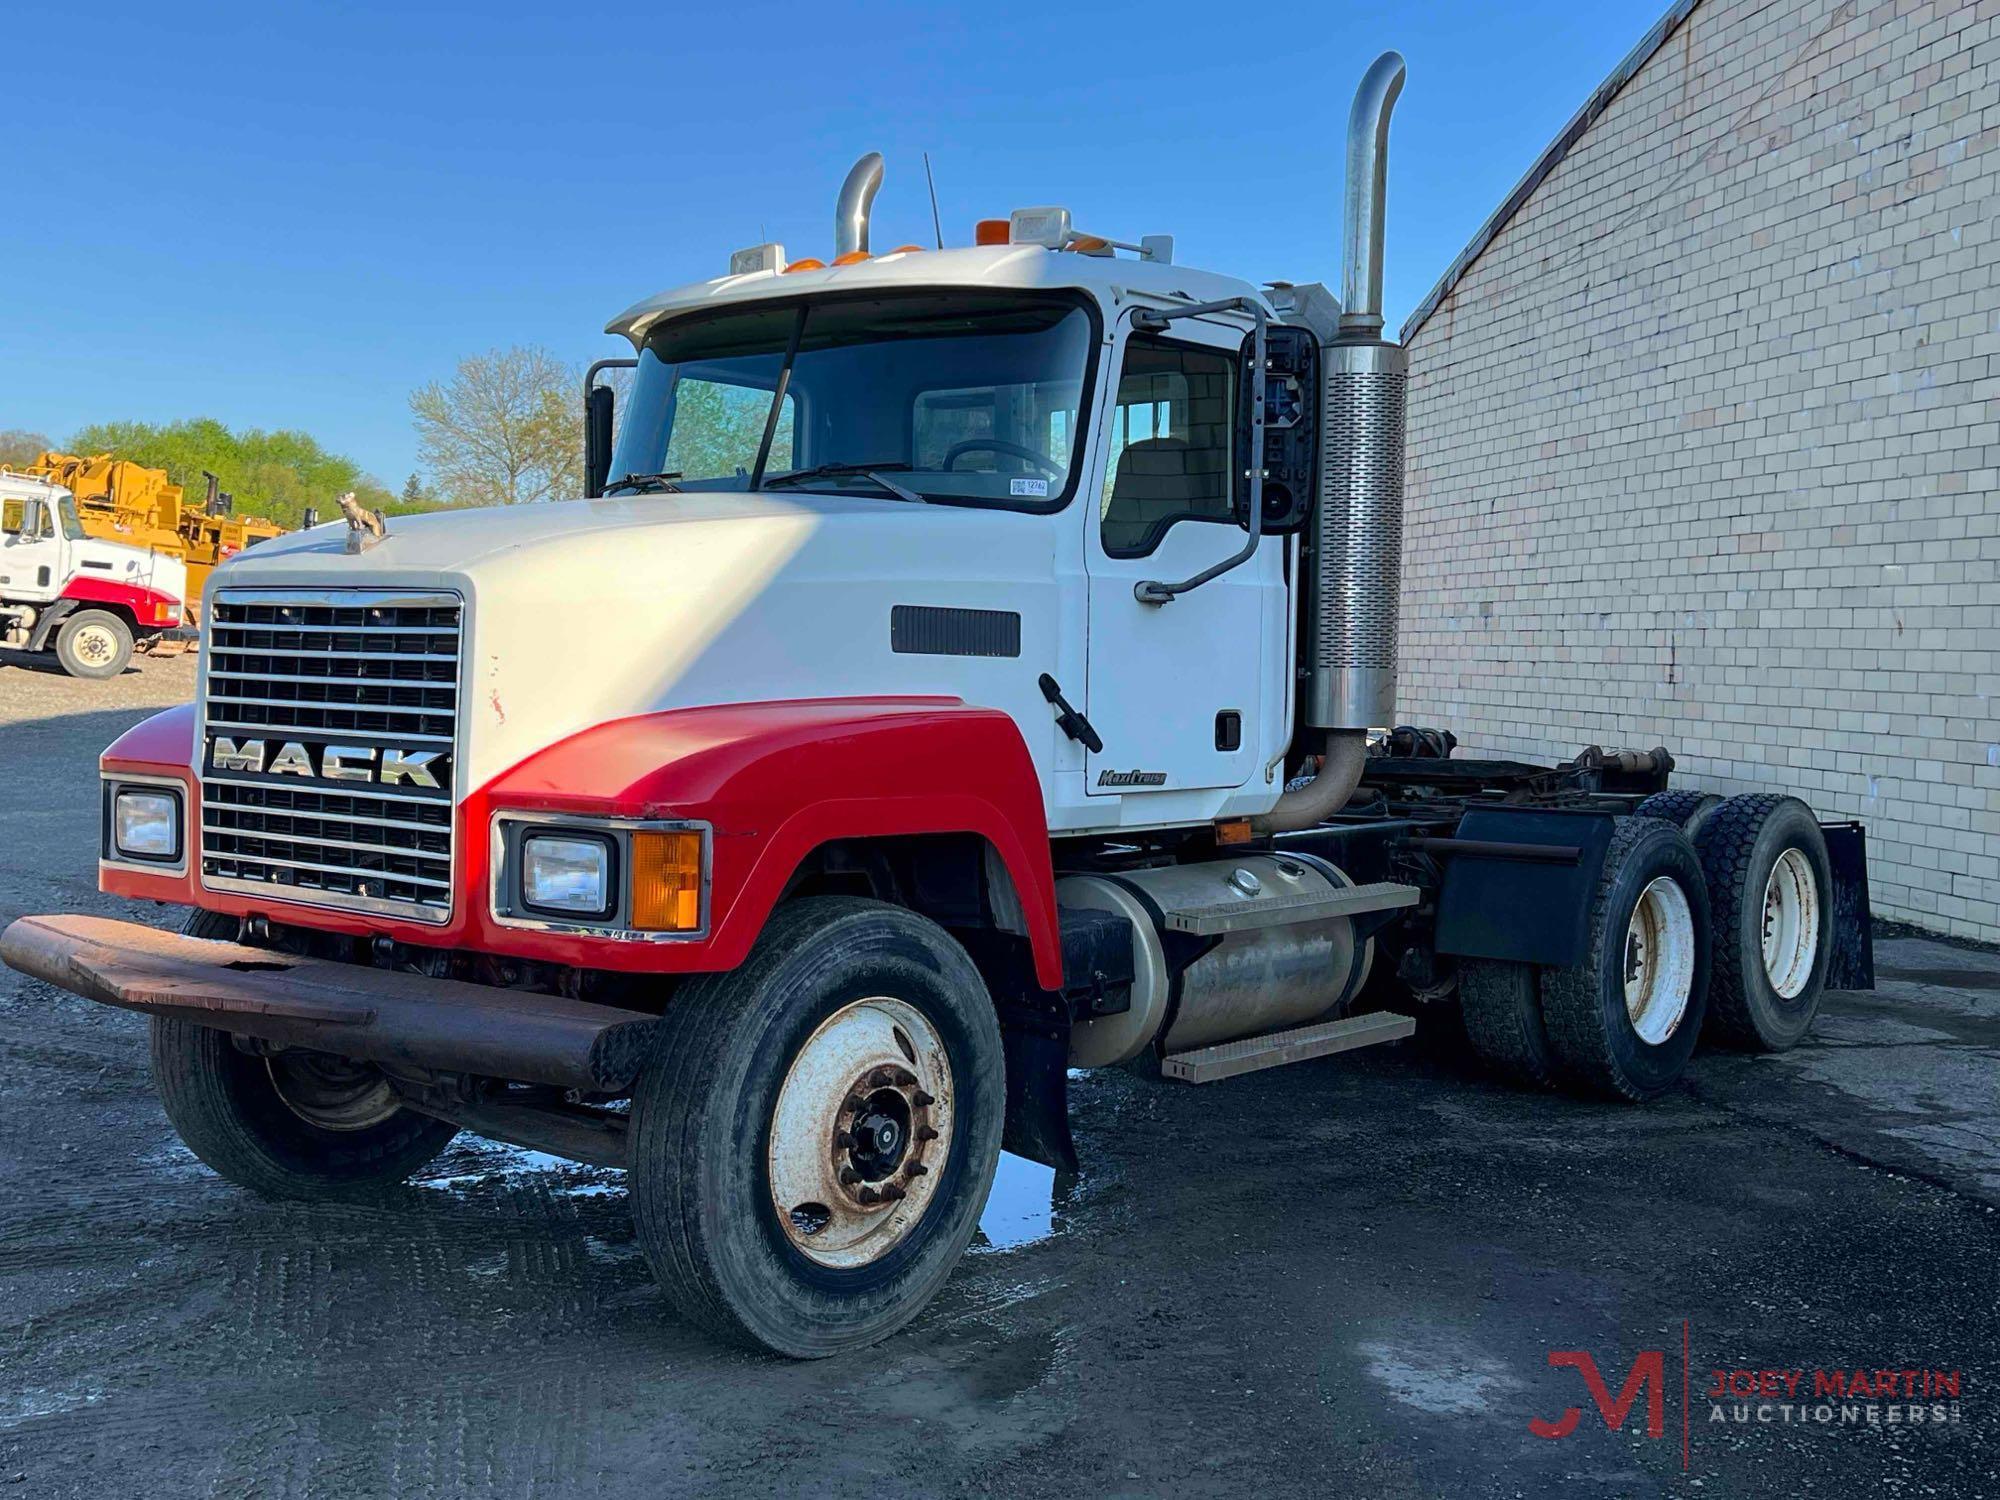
[(961, 669), (63, 591)]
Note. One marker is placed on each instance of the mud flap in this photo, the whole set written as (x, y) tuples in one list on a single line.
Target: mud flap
[(1851, 965), (1037, 1050)]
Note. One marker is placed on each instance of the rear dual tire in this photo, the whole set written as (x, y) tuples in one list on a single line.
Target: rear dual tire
[(1622, 1023), (1772, 888)]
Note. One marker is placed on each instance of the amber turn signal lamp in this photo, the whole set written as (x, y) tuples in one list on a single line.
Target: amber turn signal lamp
[(990, 232), (1233, 831), (666, 880)]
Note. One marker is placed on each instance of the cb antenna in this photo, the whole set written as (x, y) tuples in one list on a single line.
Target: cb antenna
[(936, 223)]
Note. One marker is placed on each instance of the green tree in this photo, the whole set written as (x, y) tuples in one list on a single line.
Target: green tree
[(274, 474), (506, 429)]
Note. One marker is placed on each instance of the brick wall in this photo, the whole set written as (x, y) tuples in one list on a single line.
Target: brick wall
[(1703, 445)]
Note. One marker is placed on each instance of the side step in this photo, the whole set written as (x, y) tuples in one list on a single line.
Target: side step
[(1281, 911), (1227, 1059)]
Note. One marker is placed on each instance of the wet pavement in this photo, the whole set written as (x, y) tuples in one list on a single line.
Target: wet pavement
[(1343, 1277)]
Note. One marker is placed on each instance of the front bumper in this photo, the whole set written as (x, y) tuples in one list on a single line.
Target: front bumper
[(376, 1015)]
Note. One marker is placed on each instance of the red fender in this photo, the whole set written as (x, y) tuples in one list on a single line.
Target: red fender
[(773, 780), (151, 607), (777, 780)]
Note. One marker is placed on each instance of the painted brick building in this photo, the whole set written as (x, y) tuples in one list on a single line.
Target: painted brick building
[(1704, 432)]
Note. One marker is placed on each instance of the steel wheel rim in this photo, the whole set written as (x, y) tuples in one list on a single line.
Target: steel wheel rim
[(1791, 924), (1659, 960), (331, 1092), (95, 645), (860, 1132)]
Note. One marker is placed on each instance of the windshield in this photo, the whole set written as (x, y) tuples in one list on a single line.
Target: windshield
[(72, 527), (965, 397)]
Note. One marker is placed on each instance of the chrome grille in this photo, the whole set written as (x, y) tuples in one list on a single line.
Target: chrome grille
[(315, 709)]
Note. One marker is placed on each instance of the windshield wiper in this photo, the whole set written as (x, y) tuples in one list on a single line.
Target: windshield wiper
[(662, 484), (859, 471)]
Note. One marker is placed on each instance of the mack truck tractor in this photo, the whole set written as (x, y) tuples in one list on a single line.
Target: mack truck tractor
[(966, 665), (63, 591)]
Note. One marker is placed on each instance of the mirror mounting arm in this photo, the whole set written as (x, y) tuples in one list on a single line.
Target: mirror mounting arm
[(597, 426), (1155, 320)]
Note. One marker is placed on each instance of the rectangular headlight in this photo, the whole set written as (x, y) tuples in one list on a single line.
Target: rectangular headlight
[(146, 824), (567, 873)]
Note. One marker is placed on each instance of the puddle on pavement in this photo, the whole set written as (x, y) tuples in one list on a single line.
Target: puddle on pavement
[(1021, 1209)]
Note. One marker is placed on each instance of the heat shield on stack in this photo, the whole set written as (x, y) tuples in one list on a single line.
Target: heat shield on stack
[(1357, 553)]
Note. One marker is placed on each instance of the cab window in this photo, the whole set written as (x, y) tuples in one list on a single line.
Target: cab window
[(716, 427), (1169, 444)]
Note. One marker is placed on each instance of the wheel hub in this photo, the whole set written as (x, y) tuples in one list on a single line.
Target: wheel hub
[(1791, 924), (1659, 960), (332, 1092), (860, 1131)]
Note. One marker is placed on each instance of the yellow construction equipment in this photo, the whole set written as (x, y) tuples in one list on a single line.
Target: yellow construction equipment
[(121, 501)]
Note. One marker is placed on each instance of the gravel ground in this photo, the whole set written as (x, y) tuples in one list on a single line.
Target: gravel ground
[(1343, 1277)]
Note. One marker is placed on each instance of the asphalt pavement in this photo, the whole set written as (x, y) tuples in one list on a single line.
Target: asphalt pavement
[(1365, 1275)]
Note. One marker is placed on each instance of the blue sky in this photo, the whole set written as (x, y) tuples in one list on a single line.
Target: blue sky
[(291, 215)]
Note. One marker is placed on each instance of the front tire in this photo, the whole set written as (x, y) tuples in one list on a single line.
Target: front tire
[(295, 1125), (93, 643), (1624, 1021), (853, 1064)]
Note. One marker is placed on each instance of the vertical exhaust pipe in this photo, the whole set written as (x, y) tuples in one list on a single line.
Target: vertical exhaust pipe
[(857, 199), (1358, 525), (1362, 213), (1348, 645)]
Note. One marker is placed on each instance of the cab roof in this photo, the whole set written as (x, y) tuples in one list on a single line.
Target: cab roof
[(1025, 267)]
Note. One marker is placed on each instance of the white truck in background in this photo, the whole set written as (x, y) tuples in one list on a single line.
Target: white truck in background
[(86, 601)]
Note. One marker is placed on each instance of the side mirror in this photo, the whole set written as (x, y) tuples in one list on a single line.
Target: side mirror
[(598, 401), (596, 440), (1291, 426)]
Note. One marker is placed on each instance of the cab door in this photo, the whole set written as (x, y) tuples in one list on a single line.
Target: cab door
[(1176, 691), (31, 550)]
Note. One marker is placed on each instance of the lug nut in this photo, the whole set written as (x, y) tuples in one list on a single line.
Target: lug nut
[(844, 1139), (856, 1102), (892, 1193), (869, 1195), (905, 1077), (925, 1133), (848, 1177), (917, 1169), (923, 1100)]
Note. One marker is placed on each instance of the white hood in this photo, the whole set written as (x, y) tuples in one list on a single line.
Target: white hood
[(583, 612), (137, 567)]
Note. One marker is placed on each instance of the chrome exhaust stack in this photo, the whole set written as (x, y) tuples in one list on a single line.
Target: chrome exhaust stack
[(1355, 541), (857, 199), (1357, 531)]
